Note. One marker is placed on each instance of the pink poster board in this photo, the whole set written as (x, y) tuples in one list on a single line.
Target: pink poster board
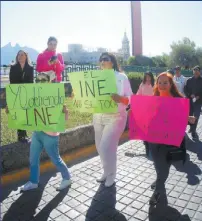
[(157, 119)]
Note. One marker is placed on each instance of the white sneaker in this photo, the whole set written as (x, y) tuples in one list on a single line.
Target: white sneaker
[(101, 179), (64, 184), (109, 181), (29, 186)]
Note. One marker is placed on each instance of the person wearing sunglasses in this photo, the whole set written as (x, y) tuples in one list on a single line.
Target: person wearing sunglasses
[(109, 127), (49, 60)]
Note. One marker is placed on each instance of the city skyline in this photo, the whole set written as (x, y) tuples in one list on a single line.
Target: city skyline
[(102, 27)]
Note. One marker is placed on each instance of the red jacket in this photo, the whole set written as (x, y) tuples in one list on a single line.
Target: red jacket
[(42, 64)]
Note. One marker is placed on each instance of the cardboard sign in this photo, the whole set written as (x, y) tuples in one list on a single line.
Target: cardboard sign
[(158, 119), (36, 107), (92, 91)]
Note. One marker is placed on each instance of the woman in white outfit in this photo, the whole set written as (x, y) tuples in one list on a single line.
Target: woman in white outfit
[(109, 127)]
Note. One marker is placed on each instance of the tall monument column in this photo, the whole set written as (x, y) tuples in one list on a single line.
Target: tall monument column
[(136, 26)]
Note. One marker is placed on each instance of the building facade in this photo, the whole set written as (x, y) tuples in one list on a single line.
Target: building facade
[(77, 54)]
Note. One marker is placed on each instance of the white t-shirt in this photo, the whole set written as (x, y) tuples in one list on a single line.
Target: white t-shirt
[(180, 83)]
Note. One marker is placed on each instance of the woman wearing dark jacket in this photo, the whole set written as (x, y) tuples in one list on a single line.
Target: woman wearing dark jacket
[(21, 73), (162, 154)]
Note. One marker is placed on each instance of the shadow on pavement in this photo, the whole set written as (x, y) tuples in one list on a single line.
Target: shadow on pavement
[(190, 168), (44, 214), (24, 207), (103, 206), (163, 212), (194, 147)]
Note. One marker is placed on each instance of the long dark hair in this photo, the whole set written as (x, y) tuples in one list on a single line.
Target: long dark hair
[(27, 61), (113, 60), (173, 90), (150, 75)]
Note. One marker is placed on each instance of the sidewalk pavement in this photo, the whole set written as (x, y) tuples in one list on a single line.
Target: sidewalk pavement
[(86, 200)]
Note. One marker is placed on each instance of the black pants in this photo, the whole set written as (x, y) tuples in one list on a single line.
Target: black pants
[(162, 166), (21, 133), (195, 110), (146, 147)]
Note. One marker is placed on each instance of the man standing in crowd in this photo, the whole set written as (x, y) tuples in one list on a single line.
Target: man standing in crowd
[(193, 90), (179, 80)]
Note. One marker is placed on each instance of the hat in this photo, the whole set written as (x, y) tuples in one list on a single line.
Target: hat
[(197, 68), (177, 68), (46, 75)]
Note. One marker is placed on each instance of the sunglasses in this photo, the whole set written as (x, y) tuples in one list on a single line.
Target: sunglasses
[(105, 59)]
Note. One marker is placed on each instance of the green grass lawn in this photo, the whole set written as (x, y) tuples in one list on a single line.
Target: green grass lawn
[(75, 119)]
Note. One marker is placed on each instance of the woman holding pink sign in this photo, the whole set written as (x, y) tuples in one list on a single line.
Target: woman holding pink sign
[(163, 155), (109, 127), (146, 89)]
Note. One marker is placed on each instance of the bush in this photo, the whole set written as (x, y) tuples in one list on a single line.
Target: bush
[(135, 79)]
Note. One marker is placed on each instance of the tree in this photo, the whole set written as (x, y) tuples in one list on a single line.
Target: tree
[(120, 60), (183, 53), (141, 60), (158, 61), (199, 56), (131, 61)]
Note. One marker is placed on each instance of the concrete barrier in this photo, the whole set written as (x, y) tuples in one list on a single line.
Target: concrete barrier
[(16, 155)]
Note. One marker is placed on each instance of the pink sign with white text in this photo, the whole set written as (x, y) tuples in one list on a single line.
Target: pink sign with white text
[(158, 119)]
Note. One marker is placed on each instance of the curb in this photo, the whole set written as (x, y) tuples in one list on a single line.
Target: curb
[(48, 165)]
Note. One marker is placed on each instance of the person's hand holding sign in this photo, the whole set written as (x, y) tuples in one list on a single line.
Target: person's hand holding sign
[(6, 110), (197, 97), (116, 98), (65, 110), (191, 119), (120, 99)]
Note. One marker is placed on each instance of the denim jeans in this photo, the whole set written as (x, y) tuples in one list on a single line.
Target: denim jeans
[(42, 140)]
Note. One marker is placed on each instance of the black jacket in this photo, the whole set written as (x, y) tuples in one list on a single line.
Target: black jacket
[(194, 86), (19, 76)]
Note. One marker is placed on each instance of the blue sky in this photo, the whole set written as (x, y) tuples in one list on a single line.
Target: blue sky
[(99, 24)]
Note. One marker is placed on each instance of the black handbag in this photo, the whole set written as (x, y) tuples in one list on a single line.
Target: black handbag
[(177, 153)]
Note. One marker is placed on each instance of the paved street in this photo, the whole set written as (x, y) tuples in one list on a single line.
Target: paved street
[(86, 200)]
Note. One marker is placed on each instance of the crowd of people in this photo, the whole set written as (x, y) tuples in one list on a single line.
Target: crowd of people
[(108, 127)]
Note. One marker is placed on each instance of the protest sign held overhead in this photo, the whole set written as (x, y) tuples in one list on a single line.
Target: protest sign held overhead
[(92, 91), (158, 119), (36, 107)]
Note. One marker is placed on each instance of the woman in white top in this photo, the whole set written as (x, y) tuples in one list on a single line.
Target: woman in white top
[(109, 127)]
